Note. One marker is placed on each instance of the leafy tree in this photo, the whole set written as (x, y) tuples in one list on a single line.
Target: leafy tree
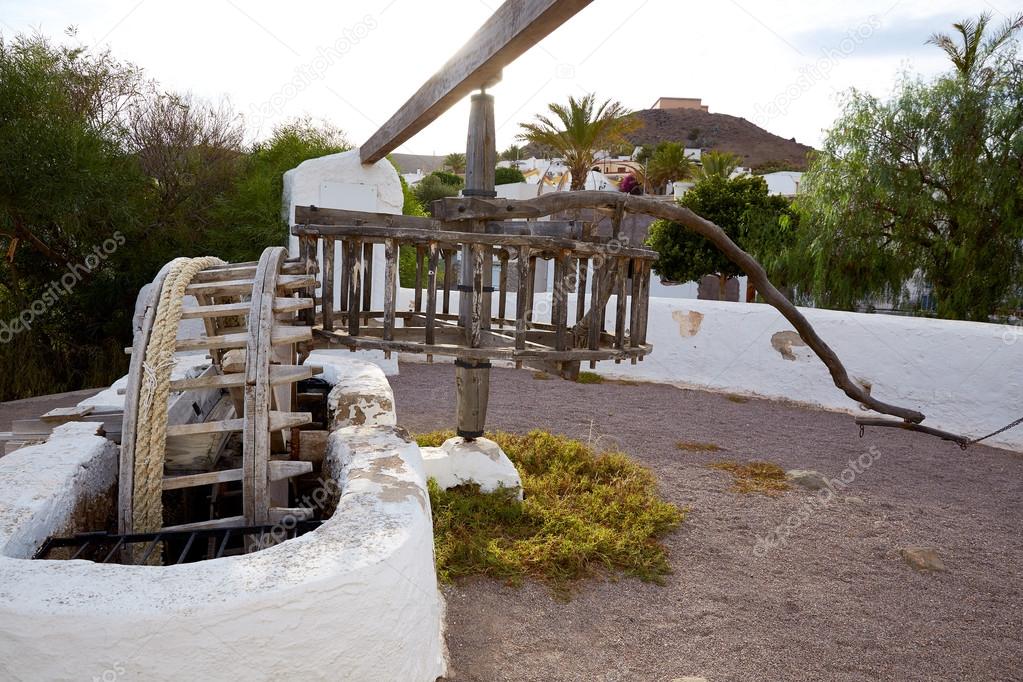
[(720, 164), (512, 153), (455, 162), (436, 185), (668, 163), (507, 176), (578, 130), (247, 217), (448, 178), (742, 208), (924, 184)]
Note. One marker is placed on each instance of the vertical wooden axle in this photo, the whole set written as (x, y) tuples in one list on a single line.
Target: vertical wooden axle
[(472, 377)]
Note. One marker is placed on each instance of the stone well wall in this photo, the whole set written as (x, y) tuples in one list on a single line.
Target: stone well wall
[(356, 599)]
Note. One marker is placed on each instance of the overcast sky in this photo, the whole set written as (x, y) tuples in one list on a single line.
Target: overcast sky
[(781, 64)]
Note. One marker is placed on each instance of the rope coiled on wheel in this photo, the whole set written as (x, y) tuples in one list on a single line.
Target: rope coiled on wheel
[(151, 409)]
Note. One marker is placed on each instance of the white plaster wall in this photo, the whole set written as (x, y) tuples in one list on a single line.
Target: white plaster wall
[(342, 181), (962, 375), (356, 599)]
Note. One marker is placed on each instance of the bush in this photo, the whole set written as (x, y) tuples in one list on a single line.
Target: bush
[(582, 513), (433, 187), (507, 176)]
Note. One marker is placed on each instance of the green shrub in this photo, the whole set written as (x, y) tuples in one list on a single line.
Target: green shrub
[(507, 176), (583, 513)]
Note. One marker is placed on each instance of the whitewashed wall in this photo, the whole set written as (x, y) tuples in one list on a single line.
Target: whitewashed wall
[(963, 375)]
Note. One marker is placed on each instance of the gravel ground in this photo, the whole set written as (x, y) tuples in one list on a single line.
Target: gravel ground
[(834, 602)]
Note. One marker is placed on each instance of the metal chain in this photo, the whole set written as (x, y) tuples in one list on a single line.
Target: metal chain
[(995, 433)]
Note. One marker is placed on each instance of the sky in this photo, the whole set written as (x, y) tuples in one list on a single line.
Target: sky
[(783, 64)]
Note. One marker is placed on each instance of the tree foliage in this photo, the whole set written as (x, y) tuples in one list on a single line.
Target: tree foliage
[(741, 206), (455, 162), (507, 176), (103, 179), (437, 185), (668, 163), (925, 184), (718, 164), (579, 129)]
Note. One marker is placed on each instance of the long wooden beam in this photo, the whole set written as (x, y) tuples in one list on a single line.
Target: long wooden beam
[(516, 26)]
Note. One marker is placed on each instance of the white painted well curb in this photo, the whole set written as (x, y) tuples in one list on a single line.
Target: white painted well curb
[(356, 599), (480, 461)]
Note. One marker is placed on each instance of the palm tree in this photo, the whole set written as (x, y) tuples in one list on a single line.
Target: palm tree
[(455, 163), (667, 164), (579, 130), (972, 51), (720, 164)]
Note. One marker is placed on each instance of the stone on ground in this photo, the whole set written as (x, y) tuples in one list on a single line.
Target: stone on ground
[(922, 558), (480, 461), (807, 478)]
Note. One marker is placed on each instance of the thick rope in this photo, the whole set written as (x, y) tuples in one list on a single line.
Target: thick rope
[(151, 409)]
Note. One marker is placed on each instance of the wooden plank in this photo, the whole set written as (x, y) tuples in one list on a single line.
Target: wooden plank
[(502, 300), (205, 478), (634, 307), (449, 278), (354, 285), (279, 514), (281, 469), (279, 374), (620, 303), (516, 26), (281, 306), (521, 301), (418, 286), (256, 422), (367, 276), (580, 289), (66, 414), (244, 286), (126, 471), (390, 286), (417, 236), (212, 524), (327, 301), (431, 293), (282, 334)]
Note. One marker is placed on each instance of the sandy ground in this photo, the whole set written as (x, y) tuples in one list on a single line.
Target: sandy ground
[(835, 602)]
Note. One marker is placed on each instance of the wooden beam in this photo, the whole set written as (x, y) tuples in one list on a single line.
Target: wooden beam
[(516, 26)]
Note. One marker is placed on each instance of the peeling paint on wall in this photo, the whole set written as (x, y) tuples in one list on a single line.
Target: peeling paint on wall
[(784, 341), (688, 322)]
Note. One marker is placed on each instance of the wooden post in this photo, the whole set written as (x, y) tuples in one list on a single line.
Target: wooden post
[(390, 285), (328, 284), (472, 377)]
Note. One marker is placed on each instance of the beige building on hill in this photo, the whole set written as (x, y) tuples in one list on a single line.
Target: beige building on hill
[(680, 103)]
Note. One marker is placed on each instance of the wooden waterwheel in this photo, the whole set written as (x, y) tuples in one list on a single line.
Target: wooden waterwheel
[(253, 332)]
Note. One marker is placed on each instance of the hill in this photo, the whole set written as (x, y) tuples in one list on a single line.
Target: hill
[(757, 147)]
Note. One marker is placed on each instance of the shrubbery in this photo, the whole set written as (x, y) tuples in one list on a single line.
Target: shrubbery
[(103, 179)]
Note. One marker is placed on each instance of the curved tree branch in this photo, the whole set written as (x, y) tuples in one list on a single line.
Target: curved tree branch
[(471, 208)]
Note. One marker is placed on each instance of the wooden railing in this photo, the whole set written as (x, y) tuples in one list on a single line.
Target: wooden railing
[(487, 331)]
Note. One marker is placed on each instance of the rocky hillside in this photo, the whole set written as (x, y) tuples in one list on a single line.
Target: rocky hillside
[(721, 132)]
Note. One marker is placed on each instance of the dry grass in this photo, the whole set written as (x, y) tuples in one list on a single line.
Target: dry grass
[(737, 398), (542, 376), (583, 513), (589, 378), (697, 446), (754, 477)]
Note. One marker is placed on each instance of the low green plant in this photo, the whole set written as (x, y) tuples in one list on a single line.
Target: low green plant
[(589, 378), (583, 512)]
